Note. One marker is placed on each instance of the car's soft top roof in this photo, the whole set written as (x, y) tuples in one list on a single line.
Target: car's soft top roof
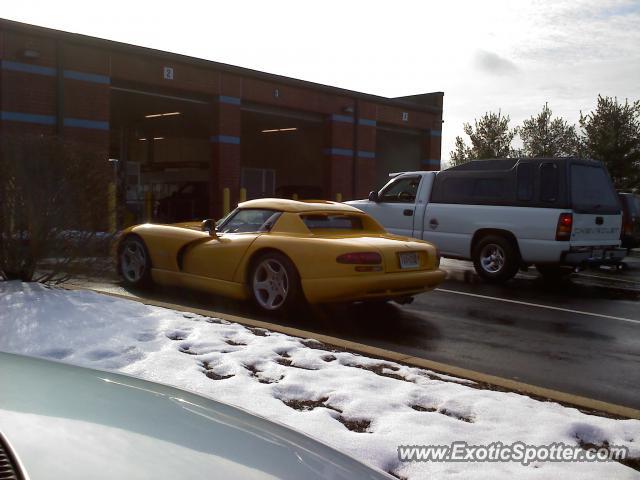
[(287, 205)]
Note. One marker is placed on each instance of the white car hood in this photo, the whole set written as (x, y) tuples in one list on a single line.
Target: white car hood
[(76, 423)]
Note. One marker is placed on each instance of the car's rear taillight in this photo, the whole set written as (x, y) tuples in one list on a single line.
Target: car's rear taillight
[(360, 258), (565, 224), (627, 226)]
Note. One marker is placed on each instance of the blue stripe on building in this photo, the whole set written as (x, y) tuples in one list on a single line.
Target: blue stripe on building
[(341, 152), (229, 100), (87, 77), (367, 121), (51, 72), (28, 68), (28, 118), (436, 133), (225, 139), (341, 118), (366, 154), (82, 123), (431, 162)]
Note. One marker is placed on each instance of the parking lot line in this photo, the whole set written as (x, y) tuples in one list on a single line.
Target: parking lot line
[(538, 305)]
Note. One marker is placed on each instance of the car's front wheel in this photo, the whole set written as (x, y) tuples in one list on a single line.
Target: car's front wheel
[(134, 262), (274, 283)]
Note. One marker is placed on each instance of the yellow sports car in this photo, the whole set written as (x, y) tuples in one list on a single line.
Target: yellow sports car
[(279, 252)]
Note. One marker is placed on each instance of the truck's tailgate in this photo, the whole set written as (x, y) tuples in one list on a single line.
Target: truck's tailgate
[(593, 229)]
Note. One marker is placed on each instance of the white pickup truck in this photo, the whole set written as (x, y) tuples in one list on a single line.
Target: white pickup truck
[(507, 214)]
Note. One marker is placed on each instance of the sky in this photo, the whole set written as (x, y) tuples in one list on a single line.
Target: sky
[(484, 55)]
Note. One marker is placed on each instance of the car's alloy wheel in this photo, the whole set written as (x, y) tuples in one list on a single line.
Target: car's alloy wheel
[(270, 284), (134, 262), (492, 258), (496, 258), (274, 282)]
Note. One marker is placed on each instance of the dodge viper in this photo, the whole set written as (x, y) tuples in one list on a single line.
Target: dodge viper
[(279, 252)]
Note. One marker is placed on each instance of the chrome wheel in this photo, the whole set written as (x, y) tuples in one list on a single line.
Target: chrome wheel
[(492, 258), (270, 284), (133, 261)]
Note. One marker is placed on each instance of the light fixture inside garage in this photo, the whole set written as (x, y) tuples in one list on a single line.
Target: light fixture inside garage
[(156, 115), (273, 130), (155, 138), (31, 53)]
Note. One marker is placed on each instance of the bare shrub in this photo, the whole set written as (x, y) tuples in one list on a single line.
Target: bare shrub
[(54, 207)]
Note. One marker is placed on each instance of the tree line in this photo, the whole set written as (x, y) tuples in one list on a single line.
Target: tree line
[(610, 133)]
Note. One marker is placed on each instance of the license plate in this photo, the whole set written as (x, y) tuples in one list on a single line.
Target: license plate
[(597, 253), (409, 260)]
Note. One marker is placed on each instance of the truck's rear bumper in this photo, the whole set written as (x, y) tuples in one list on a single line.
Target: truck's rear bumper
[(593, 256), (371, 287)]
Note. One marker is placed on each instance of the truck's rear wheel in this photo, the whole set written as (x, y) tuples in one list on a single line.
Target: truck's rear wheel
[(495, 259)]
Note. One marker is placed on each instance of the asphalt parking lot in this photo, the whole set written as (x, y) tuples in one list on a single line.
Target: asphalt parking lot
[(580, 335)]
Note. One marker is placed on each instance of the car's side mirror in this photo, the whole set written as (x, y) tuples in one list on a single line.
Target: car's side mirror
[(373, 196), (209, 226)]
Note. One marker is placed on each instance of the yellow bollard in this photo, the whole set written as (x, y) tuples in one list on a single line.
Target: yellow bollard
[(294, 196), (111, 206), (226, 201), (148, 206), (338, 197), (243, 195)]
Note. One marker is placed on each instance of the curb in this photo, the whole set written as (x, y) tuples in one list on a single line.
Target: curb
[(543, 393)]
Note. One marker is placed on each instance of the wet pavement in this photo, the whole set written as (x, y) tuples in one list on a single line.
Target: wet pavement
[(580, 335)]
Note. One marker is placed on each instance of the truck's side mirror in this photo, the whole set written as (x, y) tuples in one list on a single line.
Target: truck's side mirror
[(209, 226), (373, 196)]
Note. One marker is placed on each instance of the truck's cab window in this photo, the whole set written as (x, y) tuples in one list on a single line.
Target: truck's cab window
[(401, 190)]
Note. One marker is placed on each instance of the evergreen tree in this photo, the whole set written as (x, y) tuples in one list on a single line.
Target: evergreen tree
[(611, 134), (543, 136), (490, 137)]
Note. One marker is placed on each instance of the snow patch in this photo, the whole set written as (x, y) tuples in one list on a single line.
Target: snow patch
[(360, 405)]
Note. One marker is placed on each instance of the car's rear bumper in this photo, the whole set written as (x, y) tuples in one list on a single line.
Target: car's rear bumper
[(593, 256), (371, 286)]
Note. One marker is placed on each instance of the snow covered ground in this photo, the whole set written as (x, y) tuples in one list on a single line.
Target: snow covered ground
[(364, 406)]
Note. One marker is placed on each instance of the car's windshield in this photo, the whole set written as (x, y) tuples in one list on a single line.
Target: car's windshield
[(248, 220)]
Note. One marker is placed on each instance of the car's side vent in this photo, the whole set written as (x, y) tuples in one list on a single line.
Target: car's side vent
[(9, 466)]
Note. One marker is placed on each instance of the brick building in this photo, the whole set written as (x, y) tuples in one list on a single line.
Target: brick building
[(184, 129)]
